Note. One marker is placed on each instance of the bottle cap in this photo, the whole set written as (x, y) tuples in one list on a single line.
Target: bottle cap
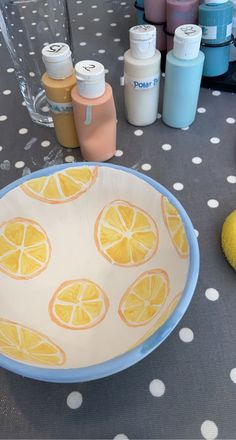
[(142, 41), (90, 77), (57, 60), (187, 41), (215, 2)]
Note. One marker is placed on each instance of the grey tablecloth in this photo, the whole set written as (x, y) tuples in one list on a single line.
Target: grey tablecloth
[(184, 390)]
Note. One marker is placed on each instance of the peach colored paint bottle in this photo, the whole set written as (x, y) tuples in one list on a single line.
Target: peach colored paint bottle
[(94, 112)]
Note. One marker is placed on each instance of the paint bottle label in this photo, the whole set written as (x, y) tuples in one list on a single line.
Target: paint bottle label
[(60, 107), (142, 84), (210, 32)]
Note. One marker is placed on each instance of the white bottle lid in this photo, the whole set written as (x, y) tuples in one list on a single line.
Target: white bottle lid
[(142, 41), (57, 60), (90, 77), (187, 41), (215, 2)]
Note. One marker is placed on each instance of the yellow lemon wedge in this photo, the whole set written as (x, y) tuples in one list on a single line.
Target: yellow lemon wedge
[(125, 234), (26, 345), (175, 228), (62, 186)]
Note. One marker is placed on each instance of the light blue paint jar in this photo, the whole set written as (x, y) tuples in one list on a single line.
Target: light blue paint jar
[(183, 75), (215, 19), (140, 11)]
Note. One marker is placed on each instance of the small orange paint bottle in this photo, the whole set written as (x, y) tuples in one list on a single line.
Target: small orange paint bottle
[(94, 112)]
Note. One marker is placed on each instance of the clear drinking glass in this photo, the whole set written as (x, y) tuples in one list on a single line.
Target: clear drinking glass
[(28, 25)]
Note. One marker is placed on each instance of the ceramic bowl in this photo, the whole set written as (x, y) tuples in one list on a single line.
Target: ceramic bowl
[(98, 263)]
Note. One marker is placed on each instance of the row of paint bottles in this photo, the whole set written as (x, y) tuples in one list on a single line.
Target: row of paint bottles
[(81, 103), (184, 66)]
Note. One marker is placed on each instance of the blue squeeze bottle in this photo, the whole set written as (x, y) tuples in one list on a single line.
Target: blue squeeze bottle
[(183, 75)]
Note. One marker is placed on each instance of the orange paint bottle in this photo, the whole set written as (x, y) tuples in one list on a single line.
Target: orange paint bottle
[(58, 82), (94, 112)]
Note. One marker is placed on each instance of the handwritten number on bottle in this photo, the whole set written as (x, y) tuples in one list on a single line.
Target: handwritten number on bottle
[(54, 48), (188, 30), (89, 67)]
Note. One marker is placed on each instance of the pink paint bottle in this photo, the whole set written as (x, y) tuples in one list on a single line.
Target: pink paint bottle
[(155, 14), (94, 112), (179, 12)]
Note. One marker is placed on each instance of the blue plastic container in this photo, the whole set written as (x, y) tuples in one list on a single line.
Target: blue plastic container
[(140, 12), (215, 19)]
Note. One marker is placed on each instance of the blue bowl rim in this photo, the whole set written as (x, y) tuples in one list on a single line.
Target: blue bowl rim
[(133, 356)]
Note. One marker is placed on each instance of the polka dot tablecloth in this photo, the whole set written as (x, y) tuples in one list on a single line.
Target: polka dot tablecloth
[(186, 389)]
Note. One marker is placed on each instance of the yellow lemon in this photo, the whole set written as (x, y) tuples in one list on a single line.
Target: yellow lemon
[(228, 238), (125, 234), (26, 345), (78, 305), (175, 228), (62, 186), (24, 248), (144, 298)]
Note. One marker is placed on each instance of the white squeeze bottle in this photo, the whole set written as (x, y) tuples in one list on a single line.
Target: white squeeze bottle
[(142, 76)]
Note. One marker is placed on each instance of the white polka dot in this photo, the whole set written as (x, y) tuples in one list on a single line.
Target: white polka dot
[(98, 34), (185, 128), (23, 103), (233, 375), (3, 118), (158, 115), (230, 121), (45, 109), (94, 6), (31, 53), (6, 92), (213, 203), (0, 148), (83, 43), (33, 24), (201, 110), (22, 18), (120, 58), (157, 388), (81, 28), (79, 2), (20, 164), (23, 131), (197, 160), (74, 400), (123, 3), (138, 132), (186, 334), (110, 11), (34, 11), (96, 19), (45, 143), (10, 70), (116, 40), (106, 71), (127, 16), (20, 30), (119, 153), (166, 147), (196, 233), (216, 93), (101, 51), (146, 166), (215, 140), (212, 294), (58, 34), (20, 45), (178, 186), (113, 24), (80, 13), (209, 430), (32, 74), (122, 80), (120, 437), (231, 179), (69, 159), (163, 74)]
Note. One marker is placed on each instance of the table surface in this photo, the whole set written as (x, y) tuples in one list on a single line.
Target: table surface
[(183, 390)]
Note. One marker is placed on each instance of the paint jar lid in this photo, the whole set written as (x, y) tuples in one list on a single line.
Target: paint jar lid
[(57, 60), (90, 77), (187, 41), (142, 41), (215, 2)]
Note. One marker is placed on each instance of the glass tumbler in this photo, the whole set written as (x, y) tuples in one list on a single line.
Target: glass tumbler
[(28, 25)]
